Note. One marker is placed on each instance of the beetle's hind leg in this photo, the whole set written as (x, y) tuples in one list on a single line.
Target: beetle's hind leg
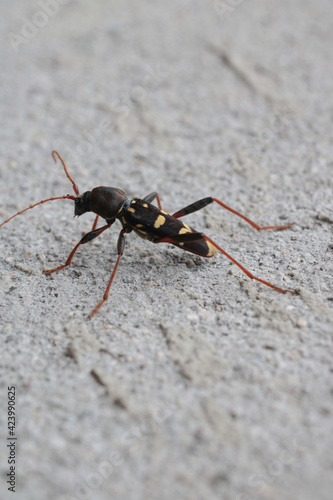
[(250, 275), (87, 237), (189, 237), (198, 205)]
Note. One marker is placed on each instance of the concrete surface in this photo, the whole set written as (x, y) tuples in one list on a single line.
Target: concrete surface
[(192, 382)]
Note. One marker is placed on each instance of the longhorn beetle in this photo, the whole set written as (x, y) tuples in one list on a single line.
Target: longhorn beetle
[(147, 221)]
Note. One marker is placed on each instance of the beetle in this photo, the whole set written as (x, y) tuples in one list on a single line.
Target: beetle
[(148, 221)]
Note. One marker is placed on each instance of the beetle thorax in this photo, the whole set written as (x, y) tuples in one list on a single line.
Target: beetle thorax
[(107, 202)]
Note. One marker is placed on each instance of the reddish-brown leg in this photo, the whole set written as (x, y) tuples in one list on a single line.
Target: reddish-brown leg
[(159, 202), (151, 197), (250, 275), (120, 248), (191, 237), (253, 224), (95, 223), (93, 226), (87, 237), (198, 205)]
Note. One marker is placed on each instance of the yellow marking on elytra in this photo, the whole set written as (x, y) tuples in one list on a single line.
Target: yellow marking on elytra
[(145, 205), (159, 221), (139, 225), (133, 201), (181, 244), (184, 230), (130, 209), (123, 219), (163, 212), (187, 227), (211, 249)]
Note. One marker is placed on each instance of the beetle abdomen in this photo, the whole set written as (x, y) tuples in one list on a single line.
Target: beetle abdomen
[(153, 224)]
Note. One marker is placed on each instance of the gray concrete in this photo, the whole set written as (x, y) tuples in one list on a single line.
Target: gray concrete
[(193, 382)]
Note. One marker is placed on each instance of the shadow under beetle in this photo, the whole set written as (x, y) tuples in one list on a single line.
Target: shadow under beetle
[(147, 221)]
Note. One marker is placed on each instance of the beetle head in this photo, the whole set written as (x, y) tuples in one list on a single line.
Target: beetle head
[(82, 204)]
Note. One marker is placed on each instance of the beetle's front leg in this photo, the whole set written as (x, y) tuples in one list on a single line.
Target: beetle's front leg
[(120, 249), (87, 237)]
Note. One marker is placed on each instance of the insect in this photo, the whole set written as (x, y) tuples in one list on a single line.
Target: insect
[(147, 221)]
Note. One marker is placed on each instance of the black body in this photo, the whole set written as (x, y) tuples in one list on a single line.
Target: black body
[(147, 221), (152, 224)]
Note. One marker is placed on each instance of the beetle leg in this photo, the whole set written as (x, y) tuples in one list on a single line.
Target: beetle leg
[(95, 223), (250, 275), (198, 205), (93, 226), (151, 197), (120, 249), (188, 237), (87, 237)]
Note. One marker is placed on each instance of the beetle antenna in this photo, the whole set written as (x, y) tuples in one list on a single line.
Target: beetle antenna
[(76, 189), (66, 196)]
